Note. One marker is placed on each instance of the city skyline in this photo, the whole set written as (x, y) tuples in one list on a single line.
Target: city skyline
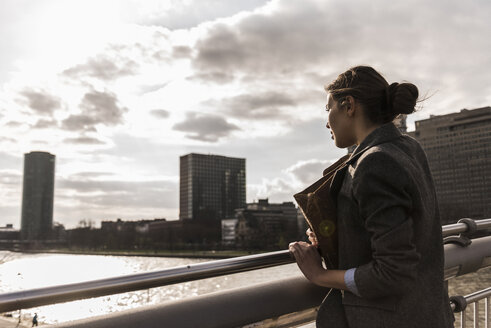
[(119, 90)]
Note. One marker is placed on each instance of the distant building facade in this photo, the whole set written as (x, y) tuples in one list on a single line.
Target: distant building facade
[(264, 225), (8, 233), (458, 147), (38, 195), (229, 231), (211, 187)]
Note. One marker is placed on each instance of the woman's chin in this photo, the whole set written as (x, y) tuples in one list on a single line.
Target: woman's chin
[(338, 143), (341, 144)]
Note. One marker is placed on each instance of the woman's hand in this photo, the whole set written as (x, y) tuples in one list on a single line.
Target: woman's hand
[(308, 259), (312, 237), (310, 263)]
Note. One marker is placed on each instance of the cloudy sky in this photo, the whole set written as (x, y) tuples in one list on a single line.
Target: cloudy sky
[(118, 90)]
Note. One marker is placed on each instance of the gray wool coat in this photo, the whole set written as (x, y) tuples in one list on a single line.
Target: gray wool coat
[(389, 230)]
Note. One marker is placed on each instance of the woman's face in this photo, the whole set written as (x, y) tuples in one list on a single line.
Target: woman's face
[(340, 124)]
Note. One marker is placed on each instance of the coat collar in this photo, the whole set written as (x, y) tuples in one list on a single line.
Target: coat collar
[(384, 133)]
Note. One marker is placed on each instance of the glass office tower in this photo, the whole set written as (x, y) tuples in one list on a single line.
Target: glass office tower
[(37, 195), (211, 186)]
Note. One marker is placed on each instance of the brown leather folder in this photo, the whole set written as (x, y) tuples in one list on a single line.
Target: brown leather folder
[(319, 210)]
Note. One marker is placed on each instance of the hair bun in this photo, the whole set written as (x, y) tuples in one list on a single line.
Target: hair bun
[(402, 97)]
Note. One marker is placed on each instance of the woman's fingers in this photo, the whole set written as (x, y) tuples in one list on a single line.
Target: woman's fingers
[(312, 237), (301, 249), (307, 258)]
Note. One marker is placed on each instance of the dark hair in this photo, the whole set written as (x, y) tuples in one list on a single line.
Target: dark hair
[(382, 102)]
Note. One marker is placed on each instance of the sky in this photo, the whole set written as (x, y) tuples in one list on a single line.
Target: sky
[(118, 90)]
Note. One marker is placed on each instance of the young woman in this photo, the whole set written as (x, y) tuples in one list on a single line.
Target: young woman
[(390, 271)]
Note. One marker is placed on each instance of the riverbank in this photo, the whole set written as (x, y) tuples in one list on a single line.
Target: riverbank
[(222, 254), (10, 322)]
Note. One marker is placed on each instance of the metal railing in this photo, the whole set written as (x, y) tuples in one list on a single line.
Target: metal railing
[(466, 226), (458, 261), (108, 286), (460, 303), (238, 307)]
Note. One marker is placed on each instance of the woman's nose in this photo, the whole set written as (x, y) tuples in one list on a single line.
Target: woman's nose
[(328, 126)]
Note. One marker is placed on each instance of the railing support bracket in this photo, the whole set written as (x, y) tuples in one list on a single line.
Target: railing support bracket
[(460, 303), (463, 239)]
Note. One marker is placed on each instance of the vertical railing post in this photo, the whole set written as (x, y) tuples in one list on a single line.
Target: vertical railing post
[(487, 311), (476, 314), (463, 318)]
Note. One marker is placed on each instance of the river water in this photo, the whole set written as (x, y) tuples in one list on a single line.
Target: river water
[(20, 271)]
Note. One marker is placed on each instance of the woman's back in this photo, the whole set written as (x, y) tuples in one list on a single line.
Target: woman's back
[(390, 231)]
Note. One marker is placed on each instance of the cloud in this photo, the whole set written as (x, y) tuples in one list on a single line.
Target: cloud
[(7, 139), (97, 108), (264, 41), (14, 124), (205, 127), (152, 87), (264, 105), (10, 178), (100, 195), (84, 175), (103, 106), (120, 193), (8, 161), (187, 14), (276, 105), (294, 179), (287, 40), (10, 189), (181, 52), (45, 124), (307, 172), (84, 140), (276, 189), (160, 113), (104, 68), (40, 101), (212, 77), (79, 123)]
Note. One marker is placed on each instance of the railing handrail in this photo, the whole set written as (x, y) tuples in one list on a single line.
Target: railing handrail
[(479, 295), (101, 287), (126, 283), (461, 227)]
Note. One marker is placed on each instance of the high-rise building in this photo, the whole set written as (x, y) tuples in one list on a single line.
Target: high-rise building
[(458, 147), (211, 186), (37, 195)]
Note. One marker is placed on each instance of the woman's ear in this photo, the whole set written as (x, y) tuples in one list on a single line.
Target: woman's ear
[(349, 104)]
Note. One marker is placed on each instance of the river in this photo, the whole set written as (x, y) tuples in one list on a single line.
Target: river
[(20, 271)]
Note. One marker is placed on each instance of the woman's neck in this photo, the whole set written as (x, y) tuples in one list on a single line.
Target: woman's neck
[(364, 129)]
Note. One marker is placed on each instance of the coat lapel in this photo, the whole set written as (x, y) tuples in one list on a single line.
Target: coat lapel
[(337, 181)]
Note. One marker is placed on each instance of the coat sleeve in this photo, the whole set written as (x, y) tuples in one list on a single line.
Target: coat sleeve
[(381, 186)]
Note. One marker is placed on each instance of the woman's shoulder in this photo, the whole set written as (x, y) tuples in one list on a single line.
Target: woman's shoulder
[(402, 150), (380, 155), (391, 159)]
